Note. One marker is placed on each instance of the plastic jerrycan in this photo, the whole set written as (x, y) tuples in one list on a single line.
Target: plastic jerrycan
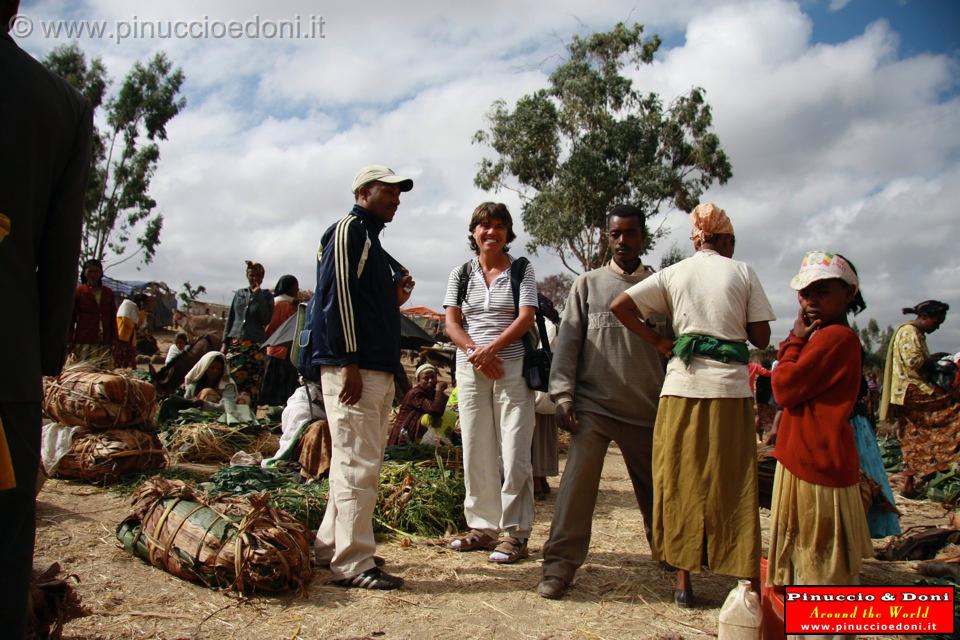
[(740, 614)]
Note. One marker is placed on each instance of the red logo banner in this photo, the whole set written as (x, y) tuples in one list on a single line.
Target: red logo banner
[(861, 610)]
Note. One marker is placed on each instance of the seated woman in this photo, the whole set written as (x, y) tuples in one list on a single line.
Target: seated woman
[(179, 346), (208, 385), (426, 398)]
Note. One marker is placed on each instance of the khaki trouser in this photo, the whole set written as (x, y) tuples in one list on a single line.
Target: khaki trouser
[(345, 538), (496, 422), (570, 530)]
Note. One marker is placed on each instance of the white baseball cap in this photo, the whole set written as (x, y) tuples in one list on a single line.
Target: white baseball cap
[(380, 173), (820, 265)]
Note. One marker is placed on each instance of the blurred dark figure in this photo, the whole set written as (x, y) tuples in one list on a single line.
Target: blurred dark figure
[(45, 139)]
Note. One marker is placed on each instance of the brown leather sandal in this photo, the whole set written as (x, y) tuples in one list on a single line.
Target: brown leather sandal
[(512, 548), (473, 540)]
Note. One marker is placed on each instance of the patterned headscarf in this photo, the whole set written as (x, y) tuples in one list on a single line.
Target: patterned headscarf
[(422, 369), (709, 219)]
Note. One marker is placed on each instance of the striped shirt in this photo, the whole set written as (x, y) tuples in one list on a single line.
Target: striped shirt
[(488, 311)]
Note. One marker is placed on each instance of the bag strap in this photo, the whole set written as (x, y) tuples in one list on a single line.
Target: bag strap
[(518, 268), (463, 281)]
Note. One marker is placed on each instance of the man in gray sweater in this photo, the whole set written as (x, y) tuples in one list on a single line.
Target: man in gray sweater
[(606, 383)]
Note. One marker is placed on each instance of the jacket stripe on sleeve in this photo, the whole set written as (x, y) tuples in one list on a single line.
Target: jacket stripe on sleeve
[(344, 298)]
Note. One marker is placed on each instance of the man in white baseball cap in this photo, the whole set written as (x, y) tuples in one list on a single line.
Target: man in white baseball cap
[(379, 173), (356, 347)]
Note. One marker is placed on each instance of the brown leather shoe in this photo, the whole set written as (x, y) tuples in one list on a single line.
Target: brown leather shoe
[(552, 587)]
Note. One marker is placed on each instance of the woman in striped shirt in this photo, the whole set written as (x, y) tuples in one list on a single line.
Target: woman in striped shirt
[(496, 405)]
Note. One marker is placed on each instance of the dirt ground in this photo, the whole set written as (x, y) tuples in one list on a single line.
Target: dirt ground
[(619, 593)]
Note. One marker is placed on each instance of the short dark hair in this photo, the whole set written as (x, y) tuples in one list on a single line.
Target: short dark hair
[(491, 211), (628, 211), (92, 262)]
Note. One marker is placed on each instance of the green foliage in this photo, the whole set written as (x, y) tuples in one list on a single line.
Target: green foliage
[(674, 255), (556, 287), (118, 207), (190, 293), (875, 343), (591, 140)]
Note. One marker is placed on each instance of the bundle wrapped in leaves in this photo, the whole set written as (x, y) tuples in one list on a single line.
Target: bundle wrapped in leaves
[(101, 456), (216, 442), (239, 542), (96, 399)]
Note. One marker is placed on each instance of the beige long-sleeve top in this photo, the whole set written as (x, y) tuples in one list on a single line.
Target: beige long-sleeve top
[(598, 363)]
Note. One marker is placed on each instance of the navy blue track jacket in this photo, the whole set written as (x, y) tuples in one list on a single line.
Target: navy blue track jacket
[(356, 318)]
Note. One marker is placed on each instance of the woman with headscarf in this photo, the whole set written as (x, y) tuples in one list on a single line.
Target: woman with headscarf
[(250, 312), (421, 406), (706, 510), (128, 320), (208, 385), (280, 376), (928, 418), (93, 331)]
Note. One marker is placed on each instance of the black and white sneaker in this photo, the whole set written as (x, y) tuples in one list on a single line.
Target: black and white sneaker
[(371, 579)]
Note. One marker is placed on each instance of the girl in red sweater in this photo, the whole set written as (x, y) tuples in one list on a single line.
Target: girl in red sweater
[(818, 530)]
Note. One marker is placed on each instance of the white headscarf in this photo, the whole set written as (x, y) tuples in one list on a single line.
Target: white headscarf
[(195, 375)]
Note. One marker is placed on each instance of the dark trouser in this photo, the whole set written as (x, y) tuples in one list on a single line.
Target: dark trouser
[(21, 423), (569, 539)]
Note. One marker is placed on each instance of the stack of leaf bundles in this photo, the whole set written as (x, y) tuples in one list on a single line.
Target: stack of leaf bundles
[(240, 543), (109, 416)]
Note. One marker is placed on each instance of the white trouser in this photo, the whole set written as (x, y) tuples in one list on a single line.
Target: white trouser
[(497, 420), (345, 538)]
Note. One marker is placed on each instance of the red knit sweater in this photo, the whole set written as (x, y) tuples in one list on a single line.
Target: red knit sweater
[(817, 384)]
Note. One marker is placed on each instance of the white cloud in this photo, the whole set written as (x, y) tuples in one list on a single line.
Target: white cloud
[(848, 146)]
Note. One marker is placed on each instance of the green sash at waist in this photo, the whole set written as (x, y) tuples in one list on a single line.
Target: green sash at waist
[(693, 344)]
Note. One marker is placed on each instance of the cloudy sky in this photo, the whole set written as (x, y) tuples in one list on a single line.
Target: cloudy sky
[(841, 119)]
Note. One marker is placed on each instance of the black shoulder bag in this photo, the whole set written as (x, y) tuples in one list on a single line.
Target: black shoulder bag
[(536, 361)]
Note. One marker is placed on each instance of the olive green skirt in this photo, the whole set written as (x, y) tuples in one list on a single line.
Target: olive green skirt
[(705, 508), (818, 534)]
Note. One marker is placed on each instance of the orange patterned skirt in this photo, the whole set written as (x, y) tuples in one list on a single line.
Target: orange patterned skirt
[(929, 431)]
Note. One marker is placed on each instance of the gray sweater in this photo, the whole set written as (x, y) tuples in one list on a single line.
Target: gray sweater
[(599, 364)]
